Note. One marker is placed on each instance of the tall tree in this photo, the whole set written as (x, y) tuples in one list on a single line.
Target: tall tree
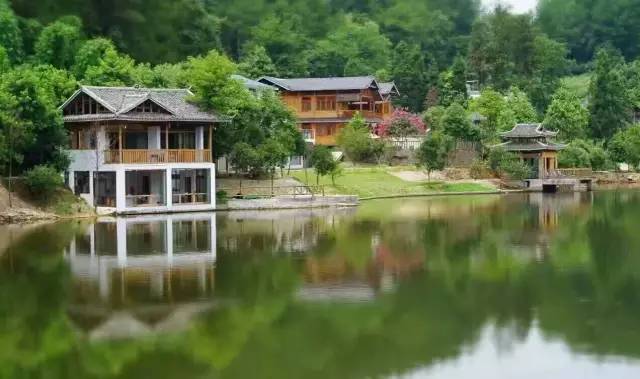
[(567, 115), (59, 42), (609, 105), (255, 62), (10, 34), (356, 47), (409, 71)]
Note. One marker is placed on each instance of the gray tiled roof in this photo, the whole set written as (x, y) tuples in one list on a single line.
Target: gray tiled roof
[(532, 146), (322, 84), (121, 102), (386, 88), (253, 85), (528, 131)]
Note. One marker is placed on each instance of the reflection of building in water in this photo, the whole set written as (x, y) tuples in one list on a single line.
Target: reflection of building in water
[(295, 230), (547, 209), (141, 275), (336, 278)]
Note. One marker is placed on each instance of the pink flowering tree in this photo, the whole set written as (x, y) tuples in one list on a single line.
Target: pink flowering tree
[(402, 124)]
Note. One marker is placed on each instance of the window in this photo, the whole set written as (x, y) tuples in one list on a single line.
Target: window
[(326, 103), (81, 182), (306, 104)]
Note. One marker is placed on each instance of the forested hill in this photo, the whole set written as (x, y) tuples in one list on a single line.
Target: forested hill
[(429, 48)]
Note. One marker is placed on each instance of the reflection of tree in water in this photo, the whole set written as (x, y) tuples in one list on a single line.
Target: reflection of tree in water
[(473, 270)]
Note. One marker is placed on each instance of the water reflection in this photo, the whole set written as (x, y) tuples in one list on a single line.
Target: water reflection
[(517, 286), (142, 275)]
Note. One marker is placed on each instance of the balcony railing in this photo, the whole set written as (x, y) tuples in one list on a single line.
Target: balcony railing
[(363, 113), (142, 156)]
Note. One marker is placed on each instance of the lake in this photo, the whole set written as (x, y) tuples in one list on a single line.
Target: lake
[(514, 286)]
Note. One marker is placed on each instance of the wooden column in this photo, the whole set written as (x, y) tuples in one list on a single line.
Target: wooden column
[(120, 142), (166, 142), (211, 141)]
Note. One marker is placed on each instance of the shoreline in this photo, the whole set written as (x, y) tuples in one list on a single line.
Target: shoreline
[(21, 216)]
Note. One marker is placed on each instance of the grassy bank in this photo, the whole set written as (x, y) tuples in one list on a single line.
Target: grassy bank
[(374, 182), (61, 202)]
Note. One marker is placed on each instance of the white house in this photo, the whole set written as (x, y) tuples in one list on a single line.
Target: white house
[(140, 150)]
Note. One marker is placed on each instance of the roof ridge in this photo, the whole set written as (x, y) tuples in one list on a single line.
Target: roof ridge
[(155, 89)]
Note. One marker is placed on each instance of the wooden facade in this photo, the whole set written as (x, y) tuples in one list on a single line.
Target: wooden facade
[(323, 113)]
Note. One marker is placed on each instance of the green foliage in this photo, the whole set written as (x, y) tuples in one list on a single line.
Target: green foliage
[(91, 54), (496, 156), (491, 105), (245, 157), (583, 153), (608, 99), (273, 154), (354, 48), (624, 147), (433, 118), (58, 42), (456, 123), (433, 152), (5, 64), (113, 69), (411, 72), (512, 167), (10, 34), (479, 170), (453, 85), (42, 181), (322, 161), (355, 140), (255, 62), (567, 115)]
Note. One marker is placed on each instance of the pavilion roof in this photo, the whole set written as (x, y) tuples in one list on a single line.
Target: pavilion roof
[(528, 131)]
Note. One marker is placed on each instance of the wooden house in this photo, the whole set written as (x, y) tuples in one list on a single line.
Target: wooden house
[(325, 105)]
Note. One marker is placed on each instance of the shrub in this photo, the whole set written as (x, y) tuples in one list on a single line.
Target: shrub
[(479, 170), (42, 181), (513, 168)]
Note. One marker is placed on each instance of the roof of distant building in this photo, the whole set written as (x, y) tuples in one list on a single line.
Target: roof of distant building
[(121, 102), (528, 131), (253, 85), (322, 84), (388, 88)]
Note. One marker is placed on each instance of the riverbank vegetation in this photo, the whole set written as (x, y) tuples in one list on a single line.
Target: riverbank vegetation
[(527, 67)]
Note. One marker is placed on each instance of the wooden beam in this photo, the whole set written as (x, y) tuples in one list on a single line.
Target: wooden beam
[(120, 141), (211, 140)]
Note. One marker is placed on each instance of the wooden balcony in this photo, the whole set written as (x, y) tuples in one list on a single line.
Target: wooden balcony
[(141, 156)]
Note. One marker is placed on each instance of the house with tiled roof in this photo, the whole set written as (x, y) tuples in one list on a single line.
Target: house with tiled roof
[(140, 150), (325, 105), (535, 146)]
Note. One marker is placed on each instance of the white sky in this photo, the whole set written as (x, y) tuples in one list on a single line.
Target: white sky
[(518, 6)]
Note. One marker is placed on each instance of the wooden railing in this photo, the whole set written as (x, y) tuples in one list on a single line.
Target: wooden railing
[(576, 172), (350, 113), (157, 156), (189, 198)]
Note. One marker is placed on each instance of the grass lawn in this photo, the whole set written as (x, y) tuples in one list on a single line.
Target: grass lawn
[(372, 182)]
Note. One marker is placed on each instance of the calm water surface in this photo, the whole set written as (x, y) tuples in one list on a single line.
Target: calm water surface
[(523, 286)]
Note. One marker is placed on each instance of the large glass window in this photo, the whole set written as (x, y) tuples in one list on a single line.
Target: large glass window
[(190, 186), (81, 182)]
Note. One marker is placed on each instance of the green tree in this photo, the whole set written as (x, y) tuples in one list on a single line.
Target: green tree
[(409, 71), (355, 140), (244, 158), (624, 147), (433, 152), (255, 62), (273, 154), (583, 153), (490, 104), (91, 54), (567, 115), (112, 70), (5, 64), (453, 83), (354, 48), (433, 117), (518, 102), (322, 161), (10, 34), (608, 105), (456, 123), (58, 42)]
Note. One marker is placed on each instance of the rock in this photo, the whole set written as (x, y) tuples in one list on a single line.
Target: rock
[(24, 216)]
